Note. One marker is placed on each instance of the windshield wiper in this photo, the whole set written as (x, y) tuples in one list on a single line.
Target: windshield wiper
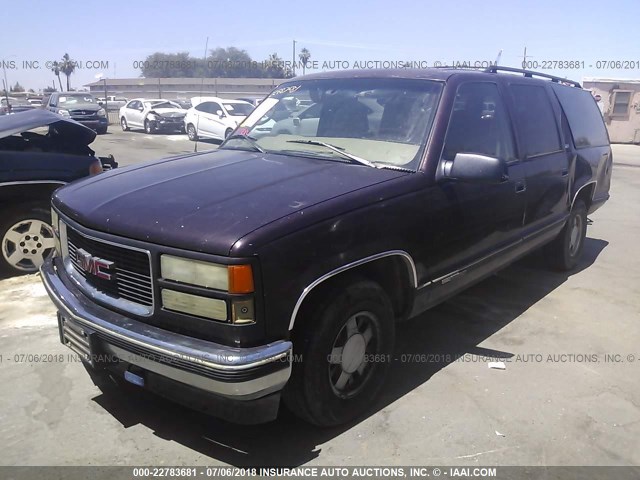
[(339, 150), (249, 139)]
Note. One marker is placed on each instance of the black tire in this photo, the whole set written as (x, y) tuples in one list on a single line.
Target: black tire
[(147, 127), (565, 250), (228, 132), (316, 392), (16, 238), (124, 124), (102, 131), (191, 132)]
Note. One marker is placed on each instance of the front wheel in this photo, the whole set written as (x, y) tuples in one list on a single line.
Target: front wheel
[(26, 239), (342, 352), (147, 127), (565, 250), (228, 132), (191, 132)]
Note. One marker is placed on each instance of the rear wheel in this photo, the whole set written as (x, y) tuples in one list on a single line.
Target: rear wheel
[(191, 132), (26, 239), (345, 346), (228, 132), (147, 127), (565, 250)]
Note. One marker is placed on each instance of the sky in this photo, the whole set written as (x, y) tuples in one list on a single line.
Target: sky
[(109, 37)]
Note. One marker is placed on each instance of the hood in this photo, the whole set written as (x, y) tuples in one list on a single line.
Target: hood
[(207, 202), (169, 112), (89, 107), (63, 127)]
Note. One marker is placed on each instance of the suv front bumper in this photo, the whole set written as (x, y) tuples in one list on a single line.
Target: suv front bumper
[(240, 384)]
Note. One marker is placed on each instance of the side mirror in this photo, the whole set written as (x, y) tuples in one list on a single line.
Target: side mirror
[(475, 168), (296, 121), (220, 113)]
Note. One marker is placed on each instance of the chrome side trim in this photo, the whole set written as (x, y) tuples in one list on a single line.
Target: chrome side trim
[(578, 191), (33, 182), (401, 253)]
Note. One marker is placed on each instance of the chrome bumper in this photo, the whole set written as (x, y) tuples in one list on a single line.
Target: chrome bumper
[(236, 373)]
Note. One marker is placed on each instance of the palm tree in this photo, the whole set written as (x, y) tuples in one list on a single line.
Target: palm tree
[(304, 55), (67, 67), (55, 68)]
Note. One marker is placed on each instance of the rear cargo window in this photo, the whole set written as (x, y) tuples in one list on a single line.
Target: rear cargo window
[(585, 119), (536, 120)]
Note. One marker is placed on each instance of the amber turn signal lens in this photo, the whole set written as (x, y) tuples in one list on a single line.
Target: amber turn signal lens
[(95, 168), (240, 279)]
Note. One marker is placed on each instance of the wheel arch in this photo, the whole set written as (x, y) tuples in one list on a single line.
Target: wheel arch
[(373, 267), (31, 191), (585, 193)]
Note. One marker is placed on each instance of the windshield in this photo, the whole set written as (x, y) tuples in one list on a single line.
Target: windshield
[(238, 109), (76, 99), (385, 121)]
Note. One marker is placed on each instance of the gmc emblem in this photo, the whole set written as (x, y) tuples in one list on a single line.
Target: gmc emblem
[(95, 266)]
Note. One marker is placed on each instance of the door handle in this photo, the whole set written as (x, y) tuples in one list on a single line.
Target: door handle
[(521, 187), (565, 173)]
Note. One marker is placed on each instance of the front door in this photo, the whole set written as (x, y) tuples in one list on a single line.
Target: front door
[(473, 224)]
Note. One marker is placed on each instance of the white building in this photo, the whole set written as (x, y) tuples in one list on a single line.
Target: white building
[(619, 102)]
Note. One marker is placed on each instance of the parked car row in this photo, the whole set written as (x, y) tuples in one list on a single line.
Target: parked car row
[(208, 117)]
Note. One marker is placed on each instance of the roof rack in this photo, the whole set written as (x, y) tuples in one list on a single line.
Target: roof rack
[(529, 74)]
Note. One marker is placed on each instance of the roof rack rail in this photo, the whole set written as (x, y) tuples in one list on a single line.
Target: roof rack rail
[(530, 73)]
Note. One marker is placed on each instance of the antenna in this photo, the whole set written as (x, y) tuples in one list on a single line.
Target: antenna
[(204, 66), (498, 57)]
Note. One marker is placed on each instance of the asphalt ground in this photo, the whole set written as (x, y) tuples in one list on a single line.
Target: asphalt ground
[(568, 395)]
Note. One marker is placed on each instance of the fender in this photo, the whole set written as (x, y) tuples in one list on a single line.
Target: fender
[(401, 253)]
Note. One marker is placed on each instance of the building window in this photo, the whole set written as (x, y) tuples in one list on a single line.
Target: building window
[(620, 103)]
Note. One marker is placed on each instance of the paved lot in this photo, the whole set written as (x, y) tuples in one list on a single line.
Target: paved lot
[(136, 146), (558, 402)]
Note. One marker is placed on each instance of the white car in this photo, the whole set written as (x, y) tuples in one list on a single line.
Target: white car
[(213, 117), (152, 115)]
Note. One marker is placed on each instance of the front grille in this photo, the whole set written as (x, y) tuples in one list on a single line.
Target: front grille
[(132, 269)]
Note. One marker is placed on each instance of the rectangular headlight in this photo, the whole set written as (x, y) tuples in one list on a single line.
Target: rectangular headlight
[(194, 272), (194, 305)]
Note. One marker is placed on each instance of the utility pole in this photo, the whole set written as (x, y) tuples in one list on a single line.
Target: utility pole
[(293, 65), (524, 58)]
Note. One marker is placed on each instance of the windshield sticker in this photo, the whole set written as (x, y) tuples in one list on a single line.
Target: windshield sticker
[(285, 90)]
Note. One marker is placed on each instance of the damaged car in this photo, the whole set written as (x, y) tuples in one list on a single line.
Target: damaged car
[(39, 152), (152, 115)]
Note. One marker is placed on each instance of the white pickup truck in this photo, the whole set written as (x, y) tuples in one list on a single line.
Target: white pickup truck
[(112, 102)]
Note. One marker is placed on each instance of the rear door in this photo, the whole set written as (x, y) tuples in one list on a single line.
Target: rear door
[(544, 154)]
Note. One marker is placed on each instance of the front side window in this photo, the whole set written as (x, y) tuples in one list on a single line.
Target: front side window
[(479, 124), (381, 120), (536, 120)]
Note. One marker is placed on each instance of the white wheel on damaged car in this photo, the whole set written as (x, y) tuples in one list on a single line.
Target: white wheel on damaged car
[(27, 240)]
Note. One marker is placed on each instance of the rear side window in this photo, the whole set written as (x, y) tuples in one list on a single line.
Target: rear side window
[(585, 119), (536, 120)]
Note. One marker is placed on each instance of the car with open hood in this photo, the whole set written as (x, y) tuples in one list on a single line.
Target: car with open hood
[(81, 107), (277, 268), (152, 115), (39, 152)]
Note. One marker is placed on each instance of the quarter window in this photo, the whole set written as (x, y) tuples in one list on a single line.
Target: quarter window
[(479, 124), (536, 120)]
